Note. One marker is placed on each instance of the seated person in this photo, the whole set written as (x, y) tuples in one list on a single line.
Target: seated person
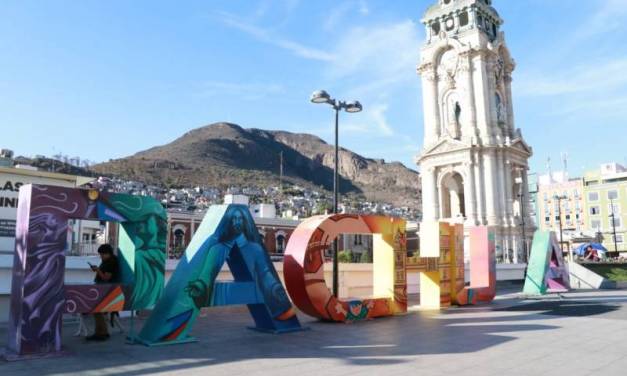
[(107, 272)]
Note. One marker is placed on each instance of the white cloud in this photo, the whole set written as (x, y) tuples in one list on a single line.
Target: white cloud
[(363, 8), (369, 63), (377, 113), (375, 63), (266, 6), (598, 77), (601, 108), (342, 10), (607, 18), (381, 51), (266, 36), (336, 14), (246, 91), (372, 121)]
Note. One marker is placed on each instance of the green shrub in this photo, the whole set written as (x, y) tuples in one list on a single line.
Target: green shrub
[(345, 257), (365, 258)]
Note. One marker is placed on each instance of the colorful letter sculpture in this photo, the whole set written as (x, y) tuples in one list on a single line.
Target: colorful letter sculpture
[(304, 267), (38, 294), (547, 271), (482, 268), (441, 264), (226, 234)]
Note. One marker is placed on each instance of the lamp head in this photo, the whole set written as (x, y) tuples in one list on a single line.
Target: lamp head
[(320, 96), (353, 107)]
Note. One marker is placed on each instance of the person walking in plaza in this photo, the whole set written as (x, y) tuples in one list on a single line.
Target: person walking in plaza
[(107, 272)]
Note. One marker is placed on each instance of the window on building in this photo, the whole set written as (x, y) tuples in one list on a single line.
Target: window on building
[(593, 196), (595, 210), (568, 217), (612, 195), (435, 27), (463, 19), (547, 220), (596, 224), (615, 222), (280, 244), (576, 193), (613, 208), (179, 239), (546, 196), (619, 238), (557, 218)]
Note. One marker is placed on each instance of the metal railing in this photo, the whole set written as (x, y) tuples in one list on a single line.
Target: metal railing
[(84, 249)]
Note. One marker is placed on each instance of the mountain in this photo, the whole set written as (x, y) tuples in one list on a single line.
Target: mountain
[(225, 154)]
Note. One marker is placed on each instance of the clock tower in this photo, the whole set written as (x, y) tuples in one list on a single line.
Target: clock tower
[(474, 160)]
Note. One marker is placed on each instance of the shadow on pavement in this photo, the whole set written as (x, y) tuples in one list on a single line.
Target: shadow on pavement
[(224, 340), (565, 308)]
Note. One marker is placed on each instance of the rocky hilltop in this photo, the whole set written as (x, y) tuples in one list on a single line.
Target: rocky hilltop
[(225, 154)]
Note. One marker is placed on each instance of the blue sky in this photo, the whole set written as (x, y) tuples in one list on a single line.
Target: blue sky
[(105, 79)]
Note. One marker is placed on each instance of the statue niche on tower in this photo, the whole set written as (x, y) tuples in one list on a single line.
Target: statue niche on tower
[(454, 117)]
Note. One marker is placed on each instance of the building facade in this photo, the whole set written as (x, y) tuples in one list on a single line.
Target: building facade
[(561, 204), (182, 225), (474, 160), (605, 193)]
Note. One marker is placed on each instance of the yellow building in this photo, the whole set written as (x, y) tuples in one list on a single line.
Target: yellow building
[(606, 205)]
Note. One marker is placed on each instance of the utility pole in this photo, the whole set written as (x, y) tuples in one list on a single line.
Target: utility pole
[(281, 172), (614, 227)]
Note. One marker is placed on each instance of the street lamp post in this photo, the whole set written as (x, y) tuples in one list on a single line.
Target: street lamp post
[(521, 199), (559, 210), (322, 97)]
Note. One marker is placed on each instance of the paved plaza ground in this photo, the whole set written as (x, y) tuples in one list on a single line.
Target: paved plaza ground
[(581, 333)]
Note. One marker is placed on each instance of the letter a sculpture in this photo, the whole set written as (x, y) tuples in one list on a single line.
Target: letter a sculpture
[(547, 271), (227, 234)]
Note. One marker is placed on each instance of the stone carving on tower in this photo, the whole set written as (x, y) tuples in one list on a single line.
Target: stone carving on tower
[(474, 161)]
